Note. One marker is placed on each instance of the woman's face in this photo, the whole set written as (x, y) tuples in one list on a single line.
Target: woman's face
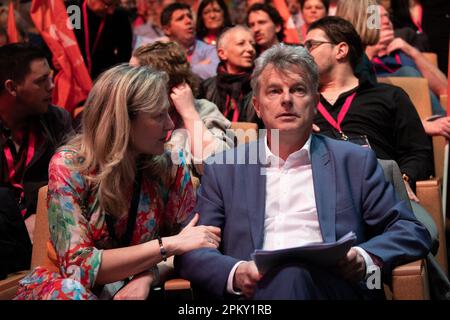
[(148, 132), (313, 10), (213, 16)]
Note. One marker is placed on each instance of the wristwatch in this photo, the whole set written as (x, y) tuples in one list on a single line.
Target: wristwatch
[(162, 250)]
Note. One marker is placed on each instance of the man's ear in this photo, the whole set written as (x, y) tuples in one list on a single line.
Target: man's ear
[(256, 106), (11, 87), (166, 30), (342, 51), (277, 28)]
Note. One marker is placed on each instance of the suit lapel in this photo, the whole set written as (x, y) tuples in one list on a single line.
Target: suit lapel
[(324, 188), (255, 191)]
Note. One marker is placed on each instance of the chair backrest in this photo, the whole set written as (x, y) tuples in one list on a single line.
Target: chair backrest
[(43, 252), (417, 90), (419, 93), (245, 131)]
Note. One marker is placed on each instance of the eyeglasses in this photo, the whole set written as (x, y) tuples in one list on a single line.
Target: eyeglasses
[(312, 44)]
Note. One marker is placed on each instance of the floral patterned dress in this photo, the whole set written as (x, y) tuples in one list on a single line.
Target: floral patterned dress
[(79, 232)]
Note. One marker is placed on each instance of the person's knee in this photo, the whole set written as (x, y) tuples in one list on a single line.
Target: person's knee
[(408, 71)]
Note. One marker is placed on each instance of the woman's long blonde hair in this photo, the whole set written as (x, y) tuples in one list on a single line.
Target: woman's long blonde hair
[(356, 11), (103, 146)]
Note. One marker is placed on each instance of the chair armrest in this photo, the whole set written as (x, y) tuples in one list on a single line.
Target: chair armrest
[(8, 286), (177, 284), (429, 194), (410, 282)]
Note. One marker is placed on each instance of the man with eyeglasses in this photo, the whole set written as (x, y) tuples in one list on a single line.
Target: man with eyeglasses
[(105, 36), (351, 109)]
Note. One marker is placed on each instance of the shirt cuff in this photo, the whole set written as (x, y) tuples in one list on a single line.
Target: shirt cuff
[(370, 265), (230, 279)]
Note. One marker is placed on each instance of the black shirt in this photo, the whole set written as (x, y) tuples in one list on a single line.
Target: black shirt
[(386, 115), (115, 43)]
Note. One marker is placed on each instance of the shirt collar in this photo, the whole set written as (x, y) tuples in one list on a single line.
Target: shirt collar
[(297, 158)]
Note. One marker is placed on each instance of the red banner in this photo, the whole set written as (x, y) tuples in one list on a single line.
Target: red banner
[(13, 35), (72, 82)]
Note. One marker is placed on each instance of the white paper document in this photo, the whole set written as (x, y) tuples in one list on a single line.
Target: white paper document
[(321, 254)]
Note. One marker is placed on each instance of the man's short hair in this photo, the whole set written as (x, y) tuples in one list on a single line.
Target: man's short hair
[(340, 30), (15, 60), (273, 15), (284, 58), (166, 14)]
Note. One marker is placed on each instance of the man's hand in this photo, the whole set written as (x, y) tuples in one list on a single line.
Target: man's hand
[(352, 267), (438, 127), (411, 195), (30, 224), (137, 289), (246, 277)]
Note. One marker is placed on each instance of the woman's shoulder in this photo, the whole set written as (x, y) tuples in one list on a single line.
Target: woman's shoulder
[(65, 156)]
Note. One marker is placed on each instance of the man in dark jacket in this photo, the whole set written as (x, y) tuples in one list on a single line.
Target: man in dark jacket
[(30, 132), (107, 40)]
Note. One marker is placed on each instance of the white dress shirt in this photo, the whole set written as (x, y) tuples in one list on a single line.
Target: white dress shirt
[(291, 218)]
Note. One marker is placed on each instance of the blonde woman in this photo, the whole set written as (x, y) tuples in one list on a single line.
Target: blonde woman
[(116, 201), (362, 14)]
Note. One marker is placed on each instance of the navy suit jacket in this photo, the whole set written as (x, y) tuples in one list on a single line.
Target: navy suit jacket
[(351, 195)]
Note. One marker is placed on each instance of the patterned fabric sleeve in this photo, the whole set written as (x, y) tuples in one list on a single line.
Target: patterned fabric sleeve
[(181, 196), (70, 232)]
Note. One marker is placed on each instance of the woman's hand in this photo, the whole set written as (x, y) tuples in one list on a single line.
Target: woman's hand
[(183, 99), (137, 289), (193, 237)]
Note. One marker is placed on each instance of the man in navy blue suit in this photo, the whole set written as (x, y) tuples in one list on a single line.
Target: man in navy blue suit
[(291, 188)]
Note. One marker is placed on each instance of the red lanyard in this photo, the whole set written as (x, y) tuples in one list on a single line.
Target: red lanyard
[(418, 22), (382, 65), (10, 162), (87, 45), (341, 115), (231, 102)]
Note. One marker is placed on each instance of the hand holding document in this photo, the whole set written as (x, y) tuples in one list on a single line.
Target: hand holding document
[(320, 254)]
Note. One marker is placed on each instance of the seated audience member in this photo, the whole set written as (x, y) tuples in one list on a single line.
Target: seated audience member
[(178, 25), (108, 39), (30, 131), (205, 124), (116, 200), (151, 30), (312, 10), (302, 188), (407, 18), (212, 19), (294, 11), (236, 51), (360, 14), (266, 25), (395, 57), (353, 109)]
